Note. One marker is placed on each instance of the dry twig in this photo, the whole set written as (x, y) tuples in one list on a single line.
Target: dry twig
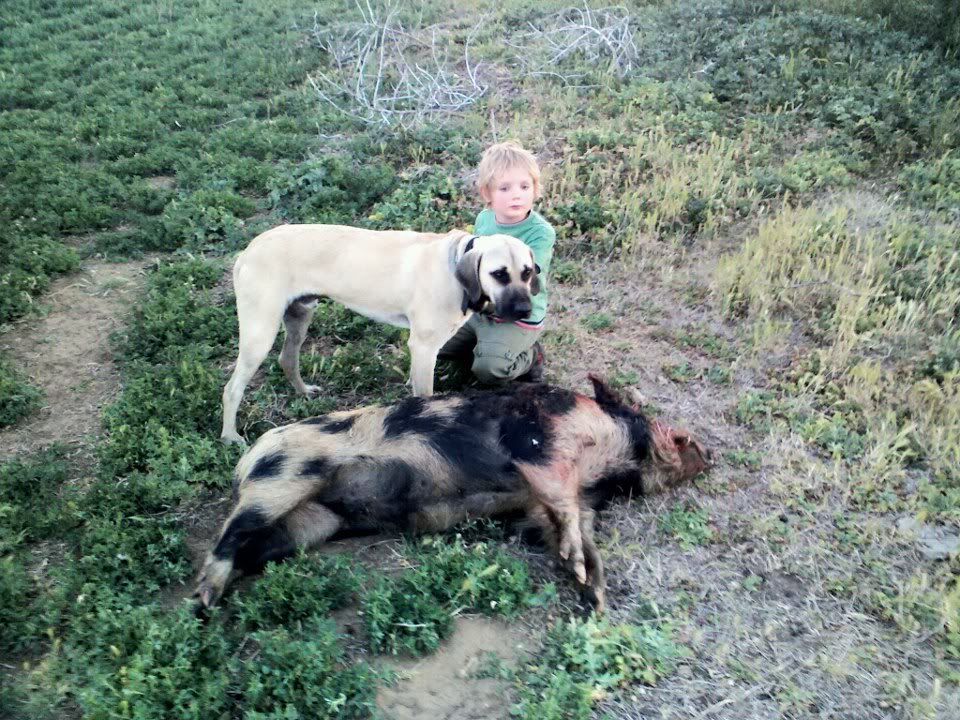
[(387, 75)]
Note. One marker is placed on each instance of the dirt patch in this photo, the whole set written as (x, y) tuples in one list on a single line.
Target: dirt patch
[(66, 352), (443, 685)]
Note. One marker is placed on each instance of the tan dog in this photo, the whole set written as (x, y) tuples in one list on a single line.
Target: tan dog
[(428, 282)]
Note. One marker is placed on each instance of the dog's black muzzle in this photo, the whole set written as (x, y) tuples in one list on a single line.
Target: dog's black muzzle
[(514, 306)]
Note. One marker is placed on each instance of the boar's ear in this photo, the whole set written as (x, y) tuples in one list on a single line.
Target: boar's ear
[(604, 394)]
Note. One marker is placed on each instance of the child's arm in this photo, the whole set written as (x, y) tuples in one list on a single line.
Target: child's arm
[(542, 246)]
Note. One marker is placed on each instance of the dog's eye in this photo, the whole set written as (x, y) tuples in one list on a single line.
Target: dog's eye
[(501, 276), (525, 275)]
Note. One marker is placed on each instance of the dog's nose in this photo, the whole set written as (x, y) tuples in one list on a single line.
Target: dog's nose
[(522, 308)]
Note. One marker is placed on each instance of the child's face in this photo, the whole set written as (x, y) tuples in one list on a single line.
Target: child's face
[(510, 195)]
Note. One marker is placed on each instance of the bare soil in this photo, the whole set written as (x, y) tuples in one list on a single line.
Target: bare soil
[(443, 686), (65, 350)]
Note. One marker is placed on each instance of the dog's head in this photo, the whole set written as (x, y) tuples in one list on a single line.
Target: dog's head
[(499, 269)]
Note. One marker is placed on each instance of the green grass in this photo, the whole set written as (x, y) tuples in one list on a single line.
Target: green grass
[(413, 612), (688, 524), (582, 661), (18, 398)]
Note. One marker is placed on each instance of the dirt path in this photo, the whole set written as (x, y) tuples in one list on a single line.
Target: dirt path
[(442, 686), (66, 352)]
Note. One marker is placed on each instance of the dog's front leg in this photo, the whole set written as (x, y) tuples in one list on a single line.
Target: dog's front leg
[(423, 359)]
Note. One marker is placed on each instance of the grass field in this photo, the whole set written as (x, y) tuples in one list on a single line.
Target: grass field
[(758, 217)]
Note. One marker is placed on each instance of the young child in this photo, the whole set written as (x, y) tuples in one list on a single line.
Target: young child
[(509, 183)]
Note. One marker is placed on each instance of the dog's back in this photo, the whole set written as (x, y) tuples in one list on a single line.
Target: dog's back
[(306, 255)]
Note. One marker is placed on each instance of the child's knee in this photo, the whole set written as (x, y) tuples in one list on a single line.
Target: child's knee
[(494, 365)]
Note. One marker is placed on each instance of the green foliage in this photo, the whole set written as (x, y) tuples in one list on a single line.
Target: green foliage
[(402, 617), (582, 214), (935, 20), (131, 553), (934, 183), (681, 372), (29, 506), (203, 218), (749, 459), (413, 612), (598, 322), (180, 310), (297, 591), (942, 360), (568, 272), (294, 677), (706, 342), (581, 660), (833, 434), (552, 696), (211, 109), (160, 402), (170, 665), (18, 398), (878, 89), (687, 108), (331, 190), (428, 201), (451, 143), (688, 523), (719, 375), (28, 262), (20, 623), (801, 174)]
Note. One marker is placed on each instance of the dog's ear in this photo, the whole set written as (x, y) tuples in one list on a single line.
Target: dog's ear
[(535, 280), (604, 394), (468, 275)]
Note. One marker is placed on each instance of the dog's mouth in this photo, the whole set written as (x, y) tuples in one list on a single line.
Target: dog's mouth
[(517, 307), (512, 314)]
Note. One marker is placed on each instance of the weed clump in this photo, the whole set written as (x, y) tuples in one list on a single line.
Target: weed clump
[(583, 660), (305, 676), (413, 612), (29, 506), (297, 591)]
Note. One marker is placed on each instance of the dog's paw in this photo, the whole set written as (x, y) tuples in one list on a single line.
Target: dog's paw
[(232, 439), (311, 390)]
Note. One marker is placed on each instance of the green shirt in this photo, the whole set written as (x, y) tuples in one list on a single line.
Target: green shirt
[(536, 233)]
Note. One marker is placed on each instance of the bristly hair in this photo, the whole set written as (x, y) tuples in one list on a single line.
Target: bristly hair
[(606, 397)]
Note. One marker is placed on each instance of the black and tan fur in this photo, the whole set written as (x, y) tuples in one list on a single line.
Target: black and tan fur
[(426, 464)]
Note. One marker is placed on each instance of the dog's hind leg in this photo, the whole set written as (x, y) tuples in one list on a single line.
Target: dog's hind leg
[(258, 328), (296, 321)]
